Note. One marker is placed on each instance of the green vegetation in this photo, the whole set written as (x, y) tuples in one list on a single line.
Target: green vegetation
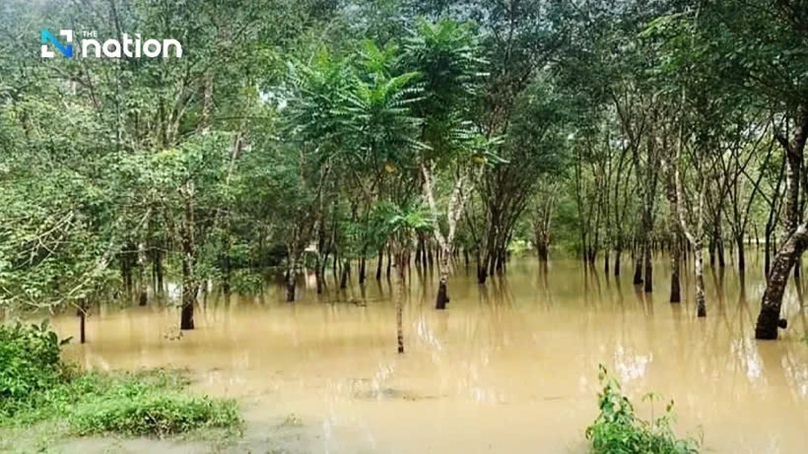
[(618, 430), (614, 129), (35, 386)]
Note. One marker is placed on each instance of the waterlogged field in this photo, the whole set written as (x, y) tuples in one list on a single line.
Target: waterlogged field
[(509, 367)]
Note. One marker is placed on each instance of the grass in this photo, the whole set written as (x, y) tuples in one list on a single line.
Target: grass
[(617, 430), (36, 388)]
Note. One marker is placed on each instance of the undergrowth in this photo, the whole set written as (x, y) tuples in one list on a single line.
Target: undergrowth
[(35, 386), (617, 430)]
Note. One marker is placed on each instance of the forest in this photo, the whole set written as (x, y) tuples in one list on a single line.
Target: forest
[(322, 146)]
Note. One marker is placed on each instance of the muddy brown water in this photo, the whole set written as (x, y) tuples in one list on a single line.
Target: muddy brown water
[(510, 367)]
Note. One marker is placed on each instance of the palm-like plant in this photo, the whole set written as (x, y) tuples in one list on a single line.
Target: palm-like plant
[(446, 54)]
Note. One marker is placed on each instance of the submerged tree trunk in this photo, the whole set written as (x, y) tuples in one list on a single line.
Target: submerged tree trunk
[(362, 269), (698, 253), (226, 264), (379, 264), (343, 282), (443, 296), (389, 262), (694, 236), (796, 236), (637, 268), (676, 290), (457, 203), (769, 318), (318, 274), (649, 268), (541, 247), (82, 313), (673, 221), (401, 271), (190, 285), (143, 297), (482, 268), (291, 280), (158, 269)]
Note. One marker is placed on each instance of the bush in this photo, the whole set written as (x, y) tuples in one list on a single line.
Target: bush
[(617, 430), (30, 363), (35, 386)]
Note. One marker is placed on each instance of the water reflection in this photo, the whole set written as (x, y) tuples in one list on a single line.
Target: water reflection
[(511, 364)]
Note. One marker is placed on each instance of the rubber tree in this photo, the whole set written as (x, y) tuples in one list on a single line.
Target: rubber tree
[(766, 30)]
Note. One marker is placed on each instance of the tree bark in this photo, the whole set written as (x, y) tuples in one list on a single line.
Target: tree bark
[(343, 282), (190, 285), (379, 264), (443, 296), (143, 297), (291, 280), (401, 271), (649, 268), (769, 317), (794, 242), (638, 268), (698, 253)]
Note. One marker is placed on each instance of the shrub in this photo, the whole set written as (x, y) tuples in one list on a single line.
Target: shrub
[(29, 357), (617, 430), (35, 385)]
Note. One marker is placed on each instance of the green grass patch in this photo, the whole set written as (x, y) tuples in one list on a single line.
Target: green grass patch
[(35, 386), (139, 412), (617, 430)]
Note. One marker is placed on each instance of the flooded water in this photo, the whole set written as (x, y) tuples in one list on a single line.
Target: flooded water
[(510, 367)]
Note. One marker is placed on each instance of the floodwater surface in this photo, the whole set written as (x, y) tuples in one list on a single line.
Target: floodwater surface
[(509, 367)]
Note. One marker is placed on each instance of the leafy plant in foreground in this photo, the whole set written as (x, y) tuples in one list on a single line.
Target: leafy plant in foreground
[(30, 362), (617, 430), (36, 386)]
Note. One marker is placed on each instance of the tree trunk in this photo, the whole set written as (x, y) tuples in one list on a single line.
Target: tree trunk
[(362, 269), (741, 256), (188, 302), (698, 264), (649, 268), (158, 269), (720, 251), (226, 265), (379, 264), (291, 280), (676, 291), (637, 270), (542, 250), (617, 253), (443, 296), (190, 286), (143, 296), (82, 313), (318, 274), (401, 271), (343, 282), (769, 318), (794, 241)]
